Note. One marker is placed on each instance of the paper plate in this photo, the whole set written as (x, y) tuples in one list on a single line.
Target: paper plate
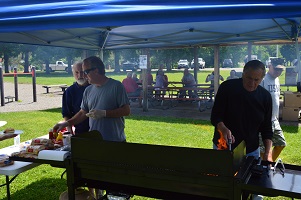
[(2, 123), (18, 132)]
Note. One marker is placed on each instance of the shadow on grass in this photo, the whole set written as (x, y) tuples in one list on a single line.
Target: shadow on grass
[(46, 189), (291, 128), (169, 120), (148, 118), (52, 110)]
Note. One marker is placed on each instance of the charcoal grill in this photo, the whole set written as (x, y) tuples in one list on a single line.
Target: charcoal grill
[(166, 172), (170, 172)]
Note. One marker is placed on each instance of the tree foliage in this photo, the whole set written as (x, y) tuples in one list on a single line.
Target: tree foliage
[(13, 54)]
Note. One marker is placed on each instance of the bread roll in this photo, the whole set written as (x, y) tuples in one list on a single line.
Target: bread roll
[(9, 130)]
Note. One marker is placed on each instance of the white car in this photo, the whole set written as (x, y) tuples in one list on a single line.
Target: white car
[(183, 64), (201, 63)]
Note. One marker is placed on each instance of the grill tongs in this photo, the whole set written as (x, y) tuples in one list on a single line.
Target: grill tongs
[(280, 165), (229, 144)]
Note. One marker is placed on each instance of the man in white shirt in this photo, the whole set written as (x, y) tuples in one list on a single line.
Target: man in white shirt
[(272, 84)]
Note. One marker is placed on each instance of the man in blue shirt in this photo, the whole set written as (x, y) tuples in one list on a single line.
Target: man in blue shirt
[(72, 99)]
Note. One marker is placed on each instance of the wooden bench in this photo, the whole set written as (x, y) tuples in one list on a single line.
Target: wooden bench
[(62, 86), (9, 98)]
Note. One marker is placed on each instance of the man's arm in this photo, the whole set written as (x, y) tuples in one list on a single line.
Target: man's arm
[(69, 128), (268, 146), (119, 112), (76, 119)]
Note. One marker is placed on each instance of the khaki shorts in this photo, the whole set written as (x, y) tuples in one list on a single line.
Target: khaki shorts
[(278, 137)]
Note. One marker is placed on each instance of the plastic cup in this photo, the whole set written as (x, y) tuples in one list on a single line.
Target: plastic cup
[(17, 140)]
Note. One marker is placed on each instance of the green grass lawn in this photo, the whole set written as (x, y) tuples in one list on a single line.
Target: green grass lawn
[(44, 182)]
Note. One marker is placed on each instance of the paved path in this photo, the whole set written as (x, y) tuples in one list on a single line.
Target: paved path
[(25, 94), (54, 100)]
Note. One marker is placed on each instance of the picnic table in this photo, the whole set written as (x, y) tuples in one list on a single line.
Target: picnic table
[(63, 87), (13, 170), (174, 95), (23, 164)]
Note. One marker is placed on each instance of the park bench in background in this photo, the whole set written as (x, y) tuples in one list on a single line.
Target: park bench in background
[(9, 98), (62, 86)]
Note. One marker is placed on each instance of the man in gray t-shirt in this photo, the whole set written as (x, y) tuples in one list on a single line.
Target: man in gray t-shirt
[(105, 102)]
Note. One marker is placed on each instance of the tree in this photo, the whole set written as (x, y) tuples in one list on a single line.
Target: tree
[(8, 50), (42, 55), (288, 52)]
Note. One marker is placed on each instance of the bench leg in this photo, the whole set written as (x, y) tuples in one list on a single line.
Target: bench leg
[(47, 90)]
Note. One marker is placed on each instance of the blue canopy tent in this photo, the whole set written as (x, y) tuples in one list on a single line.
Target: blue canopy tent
[(113, 24), (119, 24)]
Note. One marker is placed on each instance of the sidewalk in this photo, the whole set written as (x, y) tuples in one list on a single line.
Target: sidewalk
[(25, 102)]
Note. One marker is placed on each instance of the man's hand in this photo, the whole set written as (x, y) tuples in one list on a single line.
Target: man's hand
[(226, 132), (59, 126), (96, 114)]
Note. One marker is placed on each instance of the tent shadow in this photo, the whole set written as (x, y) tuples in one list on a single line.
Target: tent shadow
[(46, 189)]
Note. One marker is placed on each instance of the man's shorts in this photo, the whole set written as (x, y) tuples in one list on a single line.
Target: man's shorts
[(278, 137)]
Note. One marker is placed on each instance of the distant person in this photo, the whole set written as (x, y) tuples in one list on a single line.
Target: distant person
[(161, 83), (135, 78), (271, 83), (189, 82), (131, 87), (72, 99), (210, 78), (149, 77), (165, 76), (232, 75)]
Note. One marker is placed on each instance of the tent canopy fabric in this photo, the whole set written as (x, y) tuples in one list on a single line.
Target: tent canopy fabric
[(116, 24)]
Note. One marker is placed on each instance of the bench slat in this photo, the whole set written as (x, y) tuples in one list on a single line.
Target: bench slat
[(62, 86)]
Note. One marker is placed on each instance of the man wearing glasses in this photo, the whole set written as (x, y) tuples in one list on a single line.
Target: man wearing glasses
[(105, 103), (271, 84)]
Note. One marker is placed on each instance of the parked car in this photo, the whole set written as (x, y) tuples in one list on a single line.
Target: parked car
[(133, 66), (201, 63), (183, 64), (58, 66), (227, 63)]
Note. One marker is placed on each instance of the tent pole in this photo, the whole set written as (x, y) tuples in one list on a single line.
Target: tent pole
[(101, 54), (249, 51), (298, 66), (216, 68), (196, 63)]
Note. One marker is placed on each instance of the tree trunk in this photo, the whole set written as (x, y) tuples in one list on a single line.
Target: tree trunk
[(47, 66), (6, 67), (69, 65), (116, 59), (26, 62)]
